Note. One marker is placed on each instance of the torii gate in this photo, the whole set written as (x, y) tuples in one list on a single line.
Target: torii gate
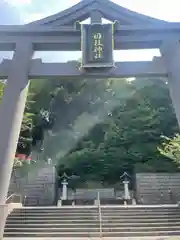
[(57, 33)]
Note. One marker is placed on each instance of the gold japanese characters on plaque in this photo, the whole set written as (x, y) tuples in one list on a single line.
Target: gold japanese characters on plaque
[(98, 46), (97, 42)]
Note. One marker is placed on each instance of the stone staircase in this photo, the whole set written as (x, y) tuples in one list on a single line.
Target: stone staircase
[(84, 222), (145, 221), (52, 222)]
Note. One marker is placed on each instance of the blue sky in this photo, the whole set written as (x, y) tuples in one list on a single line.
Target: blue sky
[(23, 11)]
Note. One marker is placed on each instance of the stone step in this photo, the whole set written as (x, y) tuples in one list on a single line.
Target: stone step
[(86, 234), (107, 229), (89, 225), (143, 217), (60, 210), (129, 209), (135, 214), (143, 207), (107, 208), (25, 218), (41, 221), (57, 214), (52, 235), (153, 216), (14, 214), (47, 225), (95, 211), (46, 230), (95, 221)]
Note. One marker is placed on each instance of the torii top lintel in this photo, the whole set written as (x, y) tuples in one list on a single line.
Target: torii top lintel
[(57, 32), (107, 8)]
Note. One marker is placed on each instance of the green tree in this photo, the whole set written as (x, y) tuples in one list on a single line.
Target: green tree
[(127, 139), (24, 145), (2, 85), (76, 107), (171, 148)]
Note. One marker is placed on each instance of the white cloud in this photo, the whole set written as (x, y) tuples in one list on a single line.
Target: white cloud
[(163, 9)]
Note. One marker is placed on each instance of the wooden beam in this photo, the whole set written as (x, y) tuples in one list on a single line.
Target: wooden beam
[(38, 69), (73, 43), (68, 39), (30, 29)]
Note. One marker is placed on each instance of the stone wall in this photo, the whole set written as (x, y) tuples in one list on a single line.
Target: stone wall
[(37, 187), (105, 193), (83, 193), (93, 193), (158, 188)]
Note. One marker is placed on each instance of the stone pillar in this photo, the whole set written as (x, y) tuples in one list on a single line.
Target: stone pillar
[(126, 190), (11, 112), (64, 190), (170, 51)]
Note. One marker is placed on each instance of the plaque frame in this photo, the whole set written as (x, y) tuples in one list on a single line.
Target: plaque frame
[(107, 30)]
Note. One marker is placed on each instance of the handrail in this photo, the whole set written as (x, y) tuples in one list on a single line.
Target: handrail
[(100, 215), (14, 195)]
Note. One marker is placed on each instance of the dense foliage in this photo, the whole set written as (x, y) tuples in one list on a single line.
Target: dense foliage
[(97, 129), (127, 140), (171, 148), (29, 126)]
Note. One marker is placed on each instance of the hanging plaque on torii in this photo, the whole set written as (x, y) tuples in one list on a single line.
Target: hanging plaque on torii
[(97, 45)]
